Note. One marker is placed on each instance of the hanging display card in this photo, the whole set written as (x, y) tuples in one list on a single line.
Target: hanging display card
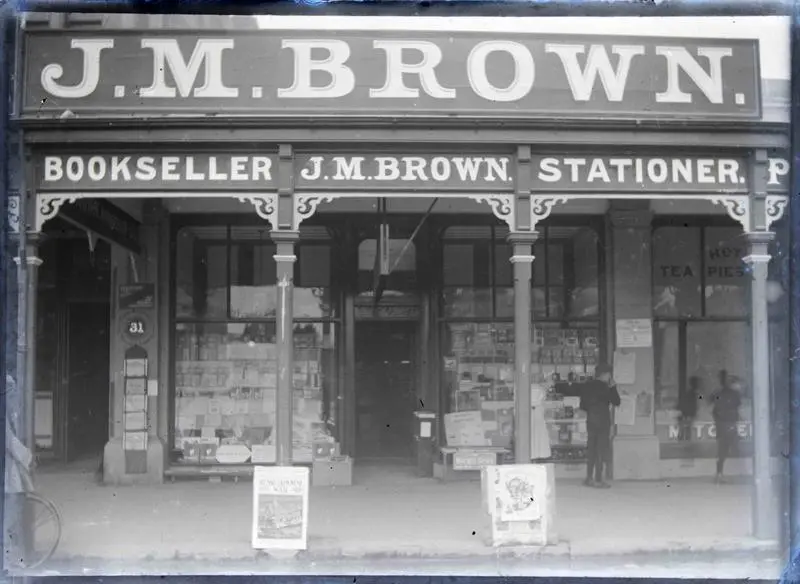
[(134, 403), (136, 385), (464, 429), (634, 333), (135, 367), (280, 508), (626, 412), (625, 367)]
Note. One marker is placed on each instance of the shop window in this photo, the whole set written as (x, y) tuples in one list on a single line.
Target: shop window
[(226, 390), (677, 272), (564, 279), (479, 375), (225, 372), (201, 273), (480, 383)]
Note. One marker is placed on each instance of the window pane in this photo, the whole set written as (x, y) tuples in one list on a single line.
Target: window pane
[(503, 270), (403, 276), (467, 302), (201, 273), (539, 264), (253, 275), (556, 300), (315, 266), (667, 368), (226, 384), (313, 379), (585, 293), (726, 279), (313, 303), (312, 293), (676, 271), (555, 264), (504, 302), (483, 373), (459, 262), (225, 390), (539, 301)]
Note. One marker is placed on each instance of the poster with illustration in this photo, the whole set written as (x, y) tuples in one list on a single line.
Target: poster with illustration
[(519, 492), (280, 508)]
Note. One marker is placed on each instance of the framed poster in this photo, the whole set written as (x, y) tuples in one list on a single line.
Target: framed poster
[(633, 333), (280, 508)]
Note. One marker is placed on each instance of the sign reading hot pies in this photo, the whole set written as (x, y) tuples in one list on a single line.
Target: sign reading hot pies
[(437, 172), (390, 73)]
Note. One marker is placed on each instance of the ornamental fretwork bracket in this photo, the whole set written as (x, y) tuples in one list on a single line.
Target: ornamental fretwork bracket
[(774, 209), (266, 206)]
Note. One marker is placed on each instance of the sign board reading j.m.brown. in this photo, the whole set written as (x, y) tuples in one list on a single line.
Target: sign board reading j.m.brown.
[(437, 172), (390, 73)]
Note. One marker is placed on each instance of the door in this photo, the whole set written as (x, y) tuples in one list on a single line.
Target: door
[(87, 380), (385, 392)]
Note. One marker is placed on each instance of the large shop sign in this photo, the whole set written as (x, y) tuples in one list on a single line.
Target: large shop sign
[(439, 172), (280, 73)]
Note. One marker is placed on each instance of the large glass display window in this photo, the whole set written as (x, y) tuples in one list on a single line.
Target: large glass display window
[(478, 335), (225, 373), (702, 333)]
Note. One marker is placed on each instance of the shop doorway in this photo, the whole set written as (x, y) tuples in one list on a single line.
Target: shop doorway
[(86, 428), (385, 392)]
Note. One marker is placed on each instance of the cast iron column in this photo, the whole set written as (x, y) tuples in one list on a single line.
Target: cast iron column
[(284, 261), (32, 261), (763, 496), (522, 259)]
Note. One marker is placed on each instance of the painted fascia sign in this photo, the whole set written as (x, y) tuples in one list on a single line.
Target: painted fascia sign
[(390, 73), (439, 172)]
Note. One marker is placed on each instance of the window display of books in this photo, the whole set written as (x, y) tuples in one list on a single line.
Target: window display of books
[(483, 370), (226, 396)]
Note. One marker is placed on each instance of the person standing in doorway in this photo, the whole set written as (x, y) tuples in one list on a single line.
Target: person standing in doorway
[(598, 395), (726, 404)]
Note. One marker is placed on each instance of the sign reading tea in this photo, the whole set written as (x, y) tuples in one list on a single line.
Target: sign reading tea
[(390, 73)]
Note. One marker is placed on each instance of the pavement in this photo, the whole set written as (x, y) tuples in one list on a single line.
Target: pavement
[(390, 519)]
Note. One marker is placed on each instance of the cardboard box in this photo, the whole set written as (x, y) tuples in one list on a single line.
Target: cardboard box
[(336, 472)]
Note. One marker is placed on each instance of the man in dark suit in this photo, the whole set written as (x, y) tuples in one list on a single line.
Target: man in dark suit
[(598, 395)]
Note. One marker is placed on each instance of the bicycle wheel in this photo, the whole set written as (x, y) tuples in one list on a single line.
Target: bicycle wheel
[(43, 535)]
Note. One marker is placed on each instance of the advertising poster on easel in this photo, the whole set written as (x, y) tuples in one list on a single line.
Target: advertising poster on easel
[(280, 508)]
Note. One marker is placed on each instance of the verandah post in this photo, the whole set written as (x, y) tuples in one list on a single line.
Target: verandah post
[(522, 260), (284, 262), (764, 513), (758, 259)]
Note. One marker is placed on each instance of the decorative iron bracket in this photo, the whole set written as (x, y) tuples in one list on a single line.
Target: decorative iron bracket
[(775, 208)]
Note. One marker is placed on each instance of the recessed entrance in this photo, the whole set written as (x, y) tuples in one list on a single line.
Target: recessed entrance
[(385, 392)]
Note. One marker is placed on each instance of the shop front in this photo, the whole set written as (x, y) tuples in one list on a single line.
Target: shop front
[(414, 237)]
